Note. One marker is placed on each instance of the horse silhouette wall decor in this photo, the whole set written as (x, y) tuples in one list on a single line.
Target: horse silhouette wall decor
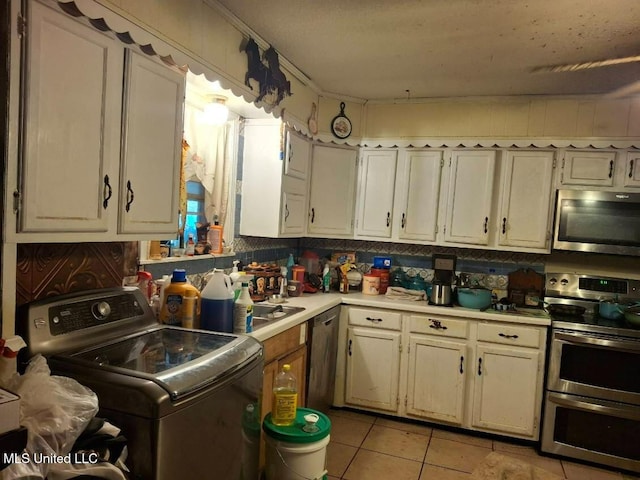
[(270, 77)]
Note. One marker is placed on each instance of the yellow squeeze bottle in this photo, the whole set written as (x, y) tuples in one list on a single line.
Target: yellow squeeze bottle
[(285, 398)]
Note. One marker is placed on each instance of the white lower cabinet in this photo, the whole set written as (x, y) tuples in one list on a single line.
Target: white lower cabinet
[(475, 374)]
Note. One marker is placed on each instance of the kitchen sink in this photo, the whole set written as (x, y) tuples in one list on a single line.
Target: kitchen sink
[(263, 314)]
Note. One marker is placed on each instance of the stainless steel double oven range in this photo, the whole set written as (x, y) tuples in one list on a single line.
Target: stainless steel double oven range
[(592, 398)]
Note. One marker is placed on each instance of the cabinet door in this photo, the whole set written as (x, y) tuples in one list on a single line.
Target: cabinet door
[(505, 391), (525, 200), (375, 202), (469, 197), (418, 191), (332, 191), (436, 385), (588, 168), (72, 125), (152, 134), (632, 172), (373, 366), (293, 214), (297, 156)]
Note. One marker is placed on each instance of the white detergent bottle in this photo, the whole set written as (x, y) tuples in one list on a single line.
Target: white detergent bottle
[(243, 311), (216, 307)]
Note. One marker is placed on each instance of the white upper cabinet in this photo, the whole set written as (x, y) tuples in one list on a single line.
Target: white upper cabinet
[(98, 162), (71, 136), (376, 184), (525, 205), (592, 168), (332, 195), (417, 194), (152, 134), (274, 202), (298, 152), (632, 172), (471, 179)]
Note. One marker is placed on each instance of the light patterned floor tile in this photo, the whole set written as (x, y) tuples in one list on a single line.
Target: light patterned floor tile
[(463, 438), (504, 447), (431, 472), (348, 431), (404, 426), (411, 446), (362, 417), (339, 457), (372, 465), (576, 471), (455, 455)]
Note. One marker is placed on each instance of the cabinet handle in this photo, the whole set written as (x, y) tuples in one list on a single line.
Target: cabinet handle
[(403, 223), (504, 225), (461, 364), (480, 366), (106, 192), (286, 212), (507, 336), (437, 324), (350, 347), (313, 214), (290, 154), (631, 169), (374, 319), (486, 224), (129, 196), (611, 169), (388, 218)]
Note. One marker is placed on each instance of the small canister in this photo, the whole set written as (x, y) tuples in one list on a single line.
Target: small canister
[(298, 273), (383, 273), (370, 284)]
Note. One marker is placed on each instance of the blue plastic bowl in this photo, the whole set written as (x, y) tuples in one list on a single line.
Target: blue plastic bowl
[(477, 298)]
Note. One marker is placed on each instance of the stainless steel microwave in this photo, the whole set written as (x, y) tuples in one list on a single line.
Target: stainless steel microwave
[(602, 222)]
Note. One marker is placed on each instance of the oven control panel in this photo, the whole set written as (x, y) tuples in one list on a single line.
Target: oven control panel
[(89, 313), (591, 287)]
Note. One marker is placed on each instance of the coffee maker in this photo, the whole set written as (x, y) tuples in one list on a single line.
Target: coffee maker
[(444, 267)]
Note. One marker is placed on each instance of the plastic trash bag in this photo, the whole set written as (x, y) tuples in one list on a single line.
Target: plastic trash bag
[(55, 411)]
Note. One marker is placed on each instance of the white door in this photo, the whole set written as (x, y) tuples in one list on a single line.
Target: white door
[(333, 180), (72, 126), (524, 219), (418, 191), (632, 172), (469, 199), (436, 384), (293, 214), (588, 168), (152, 144), (297, 156), (505, 389), (375, 203), (373, 368)]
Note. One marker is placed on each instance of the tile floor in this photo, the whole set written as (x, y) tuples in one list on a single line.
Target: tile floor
[(366, 447)]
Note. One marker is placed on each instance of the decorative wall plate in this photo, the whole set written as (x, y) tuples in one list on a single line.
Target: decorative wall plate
[(341, 125)]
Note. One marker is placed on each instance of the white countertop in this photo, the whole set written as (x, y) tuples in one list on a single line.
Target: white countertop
[(316, 303)]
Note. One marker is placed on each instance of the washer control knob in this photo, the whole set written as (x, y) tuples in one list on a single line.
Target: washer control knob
[(564, 282), (553, 281), (101, 310)]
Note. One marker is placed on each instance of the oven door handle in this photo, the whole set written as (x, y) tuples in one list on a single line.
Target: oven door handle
[(586, 339), (602, 407)]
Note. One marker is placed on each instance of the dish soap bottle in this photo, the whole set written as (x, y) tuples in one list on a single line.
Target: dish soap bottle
[(191, 246), (243, 311), (285, 397)]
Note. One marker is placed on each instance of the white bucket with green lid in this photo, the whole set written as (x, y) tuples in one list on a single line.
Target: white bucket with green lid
[(297, 451)]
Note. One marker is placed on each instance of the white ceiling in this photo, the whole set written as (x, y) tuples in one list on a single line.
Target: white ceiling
[(379, 49)]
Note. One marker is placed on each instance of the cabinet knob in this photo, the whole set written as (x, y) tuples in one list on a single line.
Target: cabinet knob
[(313, 214), (388, 218), (611, 169), (479, 366), (486, 224), (371, 319), (404, 219), (504, 225), (286, 212), (631, 169), (106, 192), (507, 336), (130, 196), (461, 364)]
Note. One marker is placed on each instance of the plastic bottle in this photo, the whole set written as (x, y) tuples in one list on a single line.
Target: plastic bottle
[(216, 311), (326, 279), (215, 236), (290, 263), (243, 311), (191, 246), (285, 397), (236, 284), (172, 311)]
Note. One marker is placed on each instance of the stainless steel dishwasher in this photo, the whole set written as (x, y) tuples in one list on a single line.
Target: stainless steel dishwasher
[(321, 368)]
